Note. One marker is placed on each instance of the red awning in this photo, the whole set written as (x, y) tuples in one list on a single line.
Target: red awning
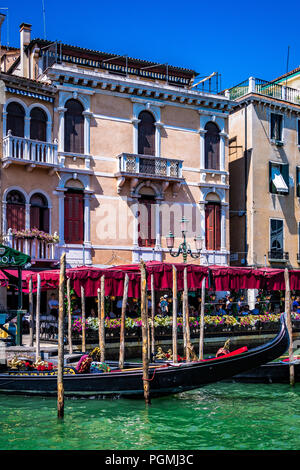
[(3, 279), (222, 278)]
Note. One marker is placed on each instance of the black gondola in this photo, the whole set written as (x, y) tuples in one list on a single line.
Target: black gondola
[(274, 372), (164, 379)]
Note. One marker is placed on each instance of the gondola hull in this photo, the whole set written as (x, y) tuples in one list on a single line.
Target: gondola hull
[(275, 372), (164, 380)]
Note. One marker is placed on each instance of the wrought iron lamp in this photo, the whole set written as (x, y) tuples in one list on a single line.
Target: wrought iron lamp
[(184, 247)]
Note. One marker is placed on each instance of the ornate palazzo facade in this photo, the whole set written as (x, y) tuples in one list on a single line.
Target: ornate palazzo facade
[(110, 153)]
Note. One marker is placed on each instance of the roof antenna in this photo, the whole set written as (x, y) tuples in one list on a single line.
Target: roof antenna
[(287, 64), (44, 18)]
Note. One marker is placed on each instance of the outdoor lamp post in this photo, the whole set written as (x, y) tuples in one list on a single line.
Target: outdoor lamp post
[(184, 247)]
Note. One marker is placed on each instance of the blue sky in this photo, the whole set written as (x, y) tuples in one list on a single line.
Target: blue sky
[(236, 39)]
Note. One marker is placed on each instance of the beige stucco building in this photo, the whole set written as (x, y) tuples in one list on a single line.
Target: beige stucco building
[(109, 153), (264, 161)]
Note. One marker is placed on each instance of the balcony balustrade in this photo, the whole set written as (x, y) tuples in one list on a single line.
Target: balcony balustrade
[(136, 167), (32, 153), (278, 255), (262, 87), (38, 250)]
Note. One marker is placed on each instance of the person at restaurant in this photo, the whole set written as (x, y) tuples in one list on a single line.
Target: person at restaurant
[(93, 313), (53, 306), (220, 310), (164, 305), (296, 304), (245, 310), (119, 307), (255, 311)]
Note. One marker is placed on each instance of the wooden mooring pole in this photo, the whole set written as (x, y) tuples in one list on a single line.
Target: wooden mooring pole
[(152, 317), (60, 364), (102, 320), (201, 339), (69, 316), (37, 318), (83, 348), (145, 326), (122, 327), (174, 323), (186, 316), (289, 324), (31, 323)]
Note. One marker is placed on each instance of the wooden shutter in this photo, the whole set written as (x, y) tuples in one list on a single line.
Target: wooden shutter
[(74, 127), (146, 134), (145, 227), (45, 220), (74, 217), (213, 226), (217, 227), (38, 124), (35, 217), (285, 174), (212, 147), (15, 215), (272, 188), (15, 119)]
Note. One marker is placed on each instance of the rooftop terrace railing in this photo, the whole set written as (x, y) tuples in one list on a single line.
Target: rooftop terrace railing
[(262, 87)]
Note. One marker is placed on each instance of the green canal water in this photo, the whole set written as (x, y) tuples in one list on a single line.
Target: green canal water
[(223, 416)]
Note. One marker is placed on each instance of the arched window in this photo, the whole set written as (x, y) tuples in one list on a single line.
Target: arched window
[(38, 124), (39, 212), (213, 226), (146, 134), (212, 147), (74, 221), (15, 119), (74, 127), (15, 210)]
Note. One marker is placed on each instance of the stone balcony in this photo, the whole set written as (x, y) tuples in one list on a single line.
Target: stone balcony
[(41, 252), (134, 168), (28, 152)]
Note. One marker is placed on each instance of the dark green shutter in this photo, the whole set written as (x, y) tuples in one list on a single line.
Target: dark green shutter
[(285, 175), (272, 188)]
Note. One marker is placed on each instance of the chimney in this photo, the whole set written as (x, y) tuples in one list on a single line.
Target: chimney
[(25, 38), (2, 18)]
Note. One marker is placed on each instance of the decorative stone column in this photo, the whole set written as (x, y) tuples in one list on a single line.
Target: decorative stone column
[(61, 129), (48, 131), (135, 122), (61, 211), (135, 235), (224, 209), (223, 138), (5, 130), (27, 216), (159, 126), (202, 133), (157, 226), (4, 218), (87, 125), (87, 258)]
